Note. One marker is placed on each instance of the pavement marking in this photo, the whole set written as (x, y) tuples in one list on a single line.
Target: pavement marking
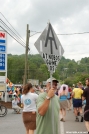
[(61, 127)]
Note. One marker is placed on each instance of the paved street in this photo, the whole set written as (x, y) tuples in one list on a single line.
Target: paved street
[(12, 124), (70, 126)]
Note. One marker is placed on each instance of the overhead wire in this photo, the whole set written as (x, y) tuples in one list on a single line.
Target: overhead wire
[(34, 33), (64, 34), (11, 26), (12, 36), (41, 32), (11, 31), (74, 33), (76, 53), (68, 45), (21, 41)]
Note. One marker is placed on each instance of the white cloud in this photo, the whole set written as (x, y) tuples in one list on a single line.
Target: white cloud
[(66, 16)]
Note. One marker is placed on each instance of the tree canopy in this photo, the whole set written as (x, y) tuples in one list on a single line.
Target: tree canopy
[(68, 71)]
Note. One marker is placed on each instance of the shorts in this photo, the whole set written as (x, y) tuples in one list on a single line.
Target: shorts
[(86, 113), (77, 103), (64, 104), (29, 120)]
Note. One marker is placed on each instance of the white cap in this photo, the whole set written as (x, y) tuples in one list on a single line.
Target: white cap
[(53, 79), (73, 85)]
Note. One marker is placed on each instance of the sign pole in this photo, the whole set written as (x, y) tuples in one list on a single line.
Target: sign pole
[(51, 78), (52, 106), (51, 50), (6, 89)]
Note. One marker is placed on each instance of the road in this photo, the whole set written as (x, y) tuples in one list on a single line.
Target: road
[(72, 127), (12, 124)]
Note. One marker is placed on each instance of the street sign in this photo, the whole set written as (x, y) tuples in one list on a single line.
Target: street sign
[(3, 52), (2, 79), (2, 48), (2, 87), (33, 81), (44, 82), (2, 61), (2, 37), (50, 48)]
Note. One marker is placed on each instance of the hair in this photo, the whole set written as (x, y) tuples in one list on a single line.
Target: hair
[(64, 88), (27, 87), (87, 79)]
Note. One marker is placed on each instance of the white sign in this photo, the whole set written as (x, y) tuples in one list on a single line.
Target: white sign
[(33, 81), (49, 48), (3, 60), (2, 87), (2, 79), (44, 82), (2, 37), (3, 52)]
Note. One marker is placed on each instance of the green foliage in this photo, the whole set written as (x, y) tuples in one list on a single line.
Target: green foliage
[(68, 71)]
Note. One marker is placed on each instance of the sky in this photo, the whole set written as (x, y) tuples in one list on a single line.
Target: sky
[(66, 17)]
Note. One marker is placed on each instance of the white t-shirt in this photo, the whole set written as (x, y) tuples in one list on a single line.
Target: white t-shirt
[(29, 102), (14, 103)]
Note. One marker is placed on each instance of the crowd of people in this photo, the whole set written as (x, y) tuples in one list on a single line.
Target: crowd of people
[(42, 107)]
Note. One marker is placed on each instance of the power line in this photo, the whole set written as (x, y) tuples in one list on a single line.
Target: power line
[(35, 34), (11, 31), (12, 36), (68, 45), (11, 25), (74, 33), (41, 32), (19, 41), (77, 53), (64, 34)]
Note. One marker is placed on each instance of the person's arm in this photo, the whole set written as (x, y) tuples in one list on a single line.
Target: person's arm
[(22, 105), (83, 98), (73, 92), (44, 107), (84, 95)]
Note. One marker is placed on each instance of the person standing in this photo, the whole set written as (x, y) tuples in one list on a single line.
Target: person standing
[(69, 98), (63, 93), (85, 96), (28, 101), (47, 121), (77, 102)]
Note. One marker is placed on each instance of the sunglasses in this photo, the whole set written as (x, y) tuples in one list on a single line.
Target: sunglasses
[(54, 84)]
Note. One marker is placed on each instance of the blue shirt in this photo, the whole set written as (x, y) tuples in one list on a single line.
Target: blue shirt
[(63, 97)]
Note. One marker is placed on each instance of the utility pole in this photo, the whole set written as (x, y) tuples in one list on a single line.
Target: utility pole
[(26, 54)]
